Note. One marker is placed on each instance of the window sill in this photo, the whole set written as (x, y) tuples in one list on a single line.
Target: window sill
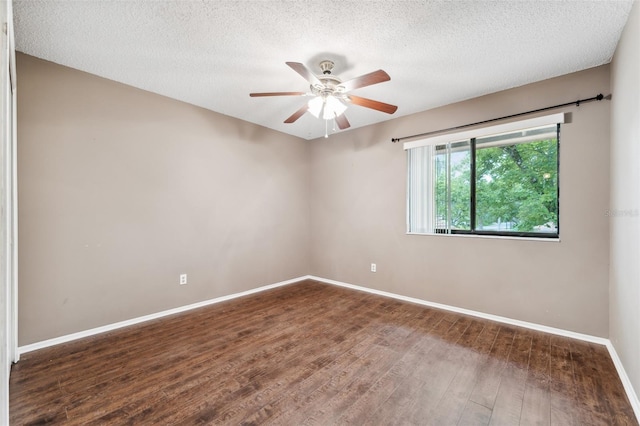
[(493, 237)]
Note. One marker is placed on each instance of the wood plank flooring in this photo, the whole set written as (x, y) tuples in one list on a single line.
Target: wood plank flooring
[(315, 354)]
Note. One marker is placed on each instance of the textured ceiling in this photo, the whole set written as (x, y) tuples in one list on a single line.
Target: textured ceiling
[(214, 53)]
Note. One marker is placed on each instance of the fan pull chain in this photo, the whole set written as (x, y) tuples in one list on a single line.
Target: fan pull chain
[(326, 126)]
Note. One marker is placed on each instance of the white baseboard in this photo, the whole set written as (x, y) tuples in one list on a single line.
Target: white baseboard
[(631, 394), (497, 318), (110, 327), (624, 378)]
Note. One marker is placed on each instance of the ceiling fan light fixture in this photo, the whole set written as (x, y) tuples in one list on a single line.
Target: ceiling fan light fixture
[(327, 107), (333, 108), (315, 106)]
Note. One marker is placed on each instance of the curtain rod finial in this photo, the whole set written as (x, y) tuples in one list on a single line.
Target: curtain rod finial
[(394, 140)]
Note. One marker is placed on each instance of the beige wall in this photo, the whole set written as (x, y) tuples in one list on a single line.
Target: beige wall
[(358, 182), (121, 190), (625, 197)]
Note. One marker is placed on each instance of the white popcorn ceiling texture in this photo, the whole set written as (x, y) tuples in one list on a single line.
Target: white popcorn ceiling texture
[(214, 53)]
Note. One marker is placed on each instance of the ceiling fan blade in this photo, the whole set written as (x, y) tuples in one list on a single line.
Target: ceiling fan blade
[(299, 113), (342, 121), (305, 73), (370, 103), (253, 95), (365, 80)]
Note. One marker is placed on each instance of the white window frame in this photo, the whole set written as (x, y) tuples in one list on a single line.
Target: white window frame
[(449, 138)]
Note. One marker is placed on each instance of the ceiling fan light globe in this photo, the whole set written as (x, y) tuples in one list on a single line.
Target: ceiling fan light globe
[(315, 106), (333, 108)]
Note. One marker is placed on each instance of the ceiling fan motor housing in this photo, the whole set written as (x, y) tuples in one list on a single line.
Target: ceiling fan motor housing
[(329, 81)]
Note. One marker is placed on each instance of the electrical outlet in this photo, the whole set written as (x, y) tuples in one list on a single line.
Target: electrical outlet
[(373, 267), (183, 279)]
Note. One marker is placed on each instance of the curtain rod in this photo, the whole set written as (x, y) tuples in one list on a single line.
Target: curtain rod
[(599, 97)]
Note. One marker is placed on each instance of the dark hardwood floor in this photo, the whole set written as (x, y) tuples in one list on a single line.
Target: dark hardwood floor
[(316, 354)]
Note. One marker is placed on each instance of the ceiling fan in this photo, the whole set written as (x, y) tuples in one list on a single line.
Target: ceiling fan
[(331, 95)]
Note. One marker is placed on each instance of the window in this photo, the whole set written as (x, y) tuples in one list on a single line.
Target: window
[(500, 180)]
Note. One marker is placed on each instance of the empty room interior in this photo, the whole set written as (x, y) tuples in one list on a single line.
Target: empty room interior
[(320, 212)]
